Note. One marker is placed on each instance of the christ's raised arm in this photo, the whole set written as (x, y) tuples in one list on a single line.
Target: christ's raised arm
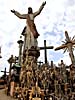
[(21, 16)]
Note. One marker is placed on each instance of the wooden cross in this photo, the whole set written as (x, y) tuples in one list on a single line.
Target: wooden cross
[(45, 50), (5, 72), (68, 45)]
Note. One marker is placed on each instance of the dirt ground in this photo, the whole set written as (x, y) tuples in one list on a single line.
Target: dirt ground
[(3, 96)]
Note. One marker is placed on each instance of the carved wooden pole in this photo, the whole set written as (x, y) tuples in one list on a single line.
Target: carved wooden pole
[(10, 61), (20, 42)]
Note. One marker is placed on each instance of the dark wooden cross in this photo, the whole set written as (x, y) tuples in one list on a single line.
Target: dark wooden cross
[(68, 45), (45, 50), (5, 72)]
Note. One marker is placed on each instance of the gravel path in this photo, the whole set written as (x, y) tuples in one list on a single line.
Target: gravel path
[(3, 96)]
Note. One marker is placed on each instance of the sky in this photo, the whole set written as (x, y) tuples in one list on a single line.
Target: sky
[(57, 17)]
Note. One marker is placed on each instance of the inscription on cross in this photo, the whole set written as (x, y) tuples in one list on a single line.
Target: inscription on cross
[(45, 50)]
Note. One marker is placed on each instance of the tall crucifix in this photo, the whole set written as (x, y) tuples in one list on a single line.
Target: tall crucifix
[(45, 50), (68, 45)]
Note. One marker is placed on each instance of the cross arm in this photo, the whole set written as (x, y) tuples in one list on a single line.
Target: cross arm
[(47, 47), (61, 47)]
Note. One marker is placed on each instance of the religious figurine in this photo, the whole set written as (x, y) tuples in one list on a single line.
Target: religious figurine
[(30, 31)]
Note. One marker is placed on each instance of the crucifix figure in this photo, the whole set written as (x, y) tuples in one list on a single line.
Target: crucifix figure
[(45, 50), (31, 31), (68, 45)]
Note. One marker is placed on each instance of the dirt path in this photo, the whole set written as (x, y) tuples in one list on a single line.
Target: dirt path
[(3, 96)]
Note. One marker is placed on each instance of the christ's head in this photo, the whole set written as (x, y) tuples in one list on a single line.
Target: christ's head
[(30, 10)]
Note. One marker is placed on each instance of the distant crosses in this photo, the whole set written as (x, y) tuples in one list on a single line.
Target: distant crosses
[(20, 42), (45, 50), (0, 53), (4, 75), (68, 46), (4, 71)]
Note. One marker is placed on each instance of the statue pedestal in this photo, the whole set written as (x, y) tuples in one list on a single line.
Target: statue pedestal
[(32, 52)]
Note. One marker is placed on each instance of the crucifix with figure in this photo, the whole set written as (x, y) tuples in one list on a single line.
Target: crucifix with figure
[(45, 50), (68, 46)]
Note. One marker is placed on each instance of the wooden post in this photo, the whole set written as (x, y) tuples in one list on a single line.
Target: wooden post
[(10, 61), (51, 64), (20, 42)]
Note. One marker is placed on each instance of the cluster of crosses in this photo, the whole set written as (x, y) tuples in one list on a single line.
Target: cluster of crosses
[(29, 80), (43, 81)]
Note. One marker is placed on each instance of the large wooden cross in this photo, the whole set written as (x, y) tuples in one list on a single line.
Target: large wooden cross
[(45, 50), (68, 45)]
